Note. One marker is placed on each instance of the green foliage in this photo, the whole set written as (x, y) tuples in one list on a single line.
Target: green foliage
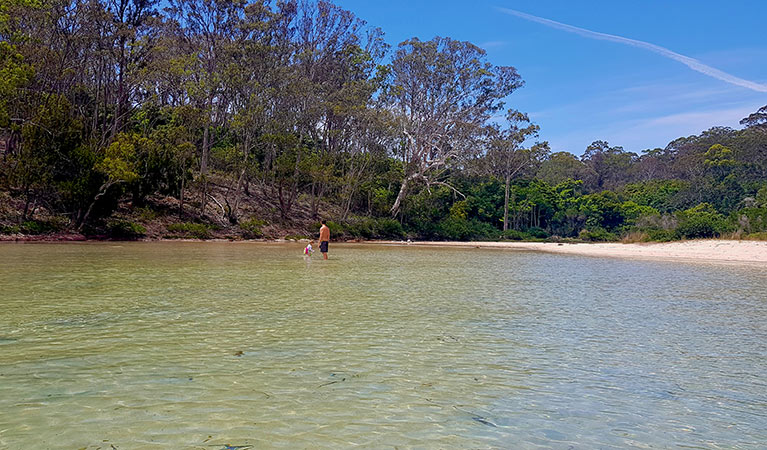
[(125, 230), (14, 74), (387, 228), (660, 235), (458, 229), (603, 210), (252, 228), (53, 225), (701, 221), (147, 214), (750, 220), (365, 228), (514, 235), (371, 228), (119, 158), (719, 156), (537, 232), (190, 230), (761, 197), (632, 212), (657, 194), (9, 229), (597, 235)]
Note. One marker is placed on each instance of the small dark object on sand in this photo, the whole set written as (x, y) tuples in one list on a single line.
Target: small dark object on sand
[(483, 421), (331, 382)]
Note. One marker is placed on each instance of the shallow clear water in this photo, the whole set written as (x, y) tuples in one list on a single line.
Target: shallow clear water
[(137, 345)]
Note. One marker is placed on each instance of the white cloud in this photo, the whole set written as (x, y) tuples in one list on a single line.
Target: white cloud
[(638, 134), (692, 63)]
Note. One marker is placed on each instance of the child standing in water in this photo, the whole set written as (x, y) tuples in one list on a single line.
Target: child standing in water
[(309, 250)]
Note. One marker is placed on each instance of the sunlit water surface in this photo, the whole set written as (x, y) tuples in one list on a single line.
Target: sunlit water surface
[(207, 345)]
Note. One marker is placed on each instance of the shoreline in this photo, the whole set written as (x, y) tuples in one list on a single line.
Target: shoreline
[(703, 250)]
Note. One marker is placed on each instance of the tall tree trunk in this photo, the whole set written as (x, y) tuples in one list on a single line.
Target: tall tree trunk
[(103, 190), (205, 150), (395, 209), (233, 215), (181, 197), (506, 206), (204, 168)]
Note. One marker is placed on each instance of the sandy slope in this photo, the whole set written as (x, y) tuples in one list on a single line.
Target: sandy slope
[(752, 252)]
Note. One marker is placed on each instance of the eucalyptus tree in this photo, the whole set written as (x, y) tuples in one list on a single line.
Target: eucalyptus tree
[(507, 157), (14, 71), (757, 119), (132, 34), (444, 94), (337, 57), (609, 165), (751, 146), (560, 167), (208, 34), (321, 75), (248, 80)]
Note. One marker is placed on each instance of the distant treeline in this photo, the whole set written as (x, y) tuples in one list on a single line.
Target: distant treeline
[(239, 115)]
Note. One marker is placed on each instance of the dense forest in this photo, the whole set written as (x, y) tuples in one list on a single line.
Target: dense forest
[(227, 118)]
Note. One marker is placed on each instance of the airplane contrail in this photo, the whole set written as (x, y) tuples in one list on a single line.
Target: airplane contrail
[(692, 63)]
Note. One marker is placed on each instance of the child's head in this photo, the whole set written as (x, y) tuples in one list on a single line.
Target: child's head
[(311, 242)]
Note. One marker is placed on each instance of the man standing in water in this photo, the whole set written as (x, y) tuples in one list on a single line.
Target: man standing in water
[(324, 239)]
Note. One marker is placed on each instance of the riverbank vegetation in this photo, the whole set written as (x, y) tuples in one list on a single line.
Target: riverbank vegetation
[(133, 119)]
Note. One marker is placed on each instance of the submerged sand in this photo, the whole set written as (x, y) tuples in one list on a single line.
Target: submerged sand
[(751, 252)]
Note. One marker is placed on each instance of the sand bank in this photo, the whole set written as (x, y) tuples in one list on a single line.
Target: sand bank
[(751, 252)]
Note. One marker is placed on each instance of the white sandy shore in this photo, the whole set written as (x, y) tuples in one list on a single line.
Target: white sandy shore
[(751, 252)]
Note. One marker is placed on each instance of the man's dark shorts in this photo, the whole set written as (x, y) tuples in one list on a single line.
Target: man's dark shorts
[(324, 246)]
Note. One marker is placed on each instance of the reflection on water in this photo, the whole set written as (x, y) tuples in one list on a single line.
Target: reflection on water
[(203, 345)]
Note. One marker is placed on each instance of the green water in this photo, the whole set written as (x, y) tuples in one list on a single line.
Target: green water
[(137, 345)]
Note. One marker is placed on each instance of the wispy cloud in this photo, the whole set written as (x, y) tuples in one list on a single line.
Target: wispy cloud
[(699, 120), (692, 63), (491, 44), (638, 134)]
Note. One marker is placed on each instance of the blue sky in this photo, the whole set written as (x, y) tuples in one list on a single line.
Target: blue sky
[(580, 89)]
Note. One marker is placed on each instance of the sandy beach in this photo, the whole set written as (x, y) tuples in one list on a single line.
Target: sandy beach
[(722, 251)]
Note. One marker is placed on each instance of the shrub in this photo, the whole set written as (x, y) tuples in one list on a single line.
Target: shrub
[(363, 229), (458, 229), (43, 226), (251, 228), (761, 236), (191, 230), (702, 221), (751, 219), (513, 235), (388, 228), (9, 229), (123, 229), (660, 235), (537, 232), (147, 214), (597, 235), (383, 228), (454, 229)]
